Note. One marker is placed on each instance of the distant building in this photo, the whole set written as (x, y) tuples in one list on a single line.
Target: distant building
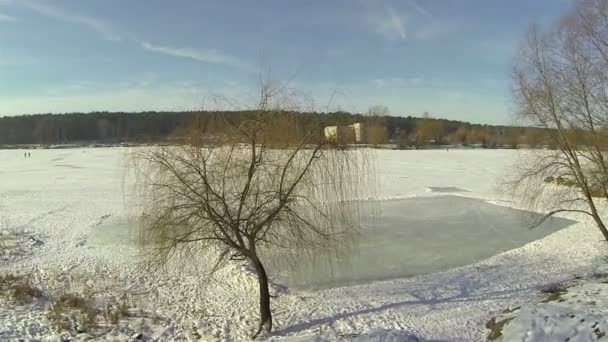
[(351, 134), (358, 131), (331, 133)]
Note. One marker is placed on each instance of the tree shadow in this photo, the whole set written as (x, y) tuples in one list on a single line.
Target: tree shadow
[(462, 297), (381, 335), (464, 286)]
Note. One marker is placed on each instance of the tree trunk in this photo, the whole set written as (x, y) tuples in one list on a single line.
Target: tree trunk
[(596, 216), (265, 314), (600, 224)]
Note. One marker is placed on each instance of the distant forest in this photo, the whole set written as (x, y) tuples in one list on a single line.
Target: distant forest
[(149, 127)]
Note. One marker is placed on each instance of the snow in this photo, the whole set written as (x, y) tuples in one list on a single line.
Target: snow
[(579, 314), (63, 198)]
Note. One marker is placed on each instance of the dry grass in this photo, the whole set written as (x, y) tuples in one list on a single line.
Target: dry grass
[(19, 288), (496, 327), (595, 190), (73, 313), (82, 312), (554, 293), (115, 311)]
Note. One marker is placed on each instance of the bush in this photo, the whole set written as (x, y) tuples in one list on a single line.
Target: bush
[(596, 190), (19, 288), (565, 181), (115, 311), (79, 312), (554, 293), (496, 327), (73, 312)]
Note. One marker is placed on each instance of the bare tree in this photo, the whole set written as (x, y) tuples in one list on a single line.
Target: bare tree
[(561, 79), (534, 137), (375, 125), (478, 135), (265, 180), (429, 129), (378, 110), (460, 136)]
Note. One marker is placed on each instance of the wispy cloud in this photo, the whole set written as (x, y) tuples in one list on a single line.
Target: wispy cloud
[(410, 22), (103, 28), (421, 10), (397, 82), (110, 32), (7, 18), (12, 60), (452, 94), (391, 25), (432, 31), (206, 56)]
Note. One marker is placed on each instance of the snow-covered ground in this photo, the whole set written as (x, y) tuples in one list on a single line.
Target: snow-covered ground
[(575, 311), (54, 203)]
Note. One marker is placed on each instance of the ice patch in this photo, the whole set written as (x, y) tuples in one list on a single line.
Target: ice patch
[(68, 166), (417, 236), (119, 230), (446, 189)]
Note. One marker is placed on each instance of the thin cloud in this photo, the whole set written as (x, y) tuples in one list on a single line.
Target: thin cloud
[(430, 27), (206, 56), (432, 31), (7, 18), (13, 60), (412, 22), (397, 82), (109, 32), (104, 29), (392, 25), (421, 10)]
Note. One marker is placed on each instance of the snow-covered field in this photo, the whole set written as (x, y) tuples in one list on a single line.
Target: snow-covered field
[(53, 204)]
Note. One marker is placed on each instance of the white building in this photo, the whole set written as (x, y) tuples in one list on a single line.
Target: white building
[(358, 130), (351, 134), (331, 133)]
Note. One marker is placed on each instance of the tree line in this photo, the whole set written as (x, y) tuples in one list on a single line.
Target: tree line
[(143, 127)]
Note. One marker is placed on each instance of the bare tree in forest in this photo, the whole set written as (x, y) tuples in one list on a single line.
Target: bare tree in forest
[(429, 129), (561, 79), (460, 136), (534, 137), (478, 135), (243, 185), (375, 126)]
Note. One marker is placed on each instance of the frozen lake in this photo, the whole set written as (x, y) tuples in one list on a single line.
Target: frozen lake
[(418, 236), (81, 215), (404, 238)]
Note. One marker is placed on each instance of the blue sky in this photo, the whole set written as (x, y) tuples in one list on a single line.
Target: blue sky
[(451, 58)]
